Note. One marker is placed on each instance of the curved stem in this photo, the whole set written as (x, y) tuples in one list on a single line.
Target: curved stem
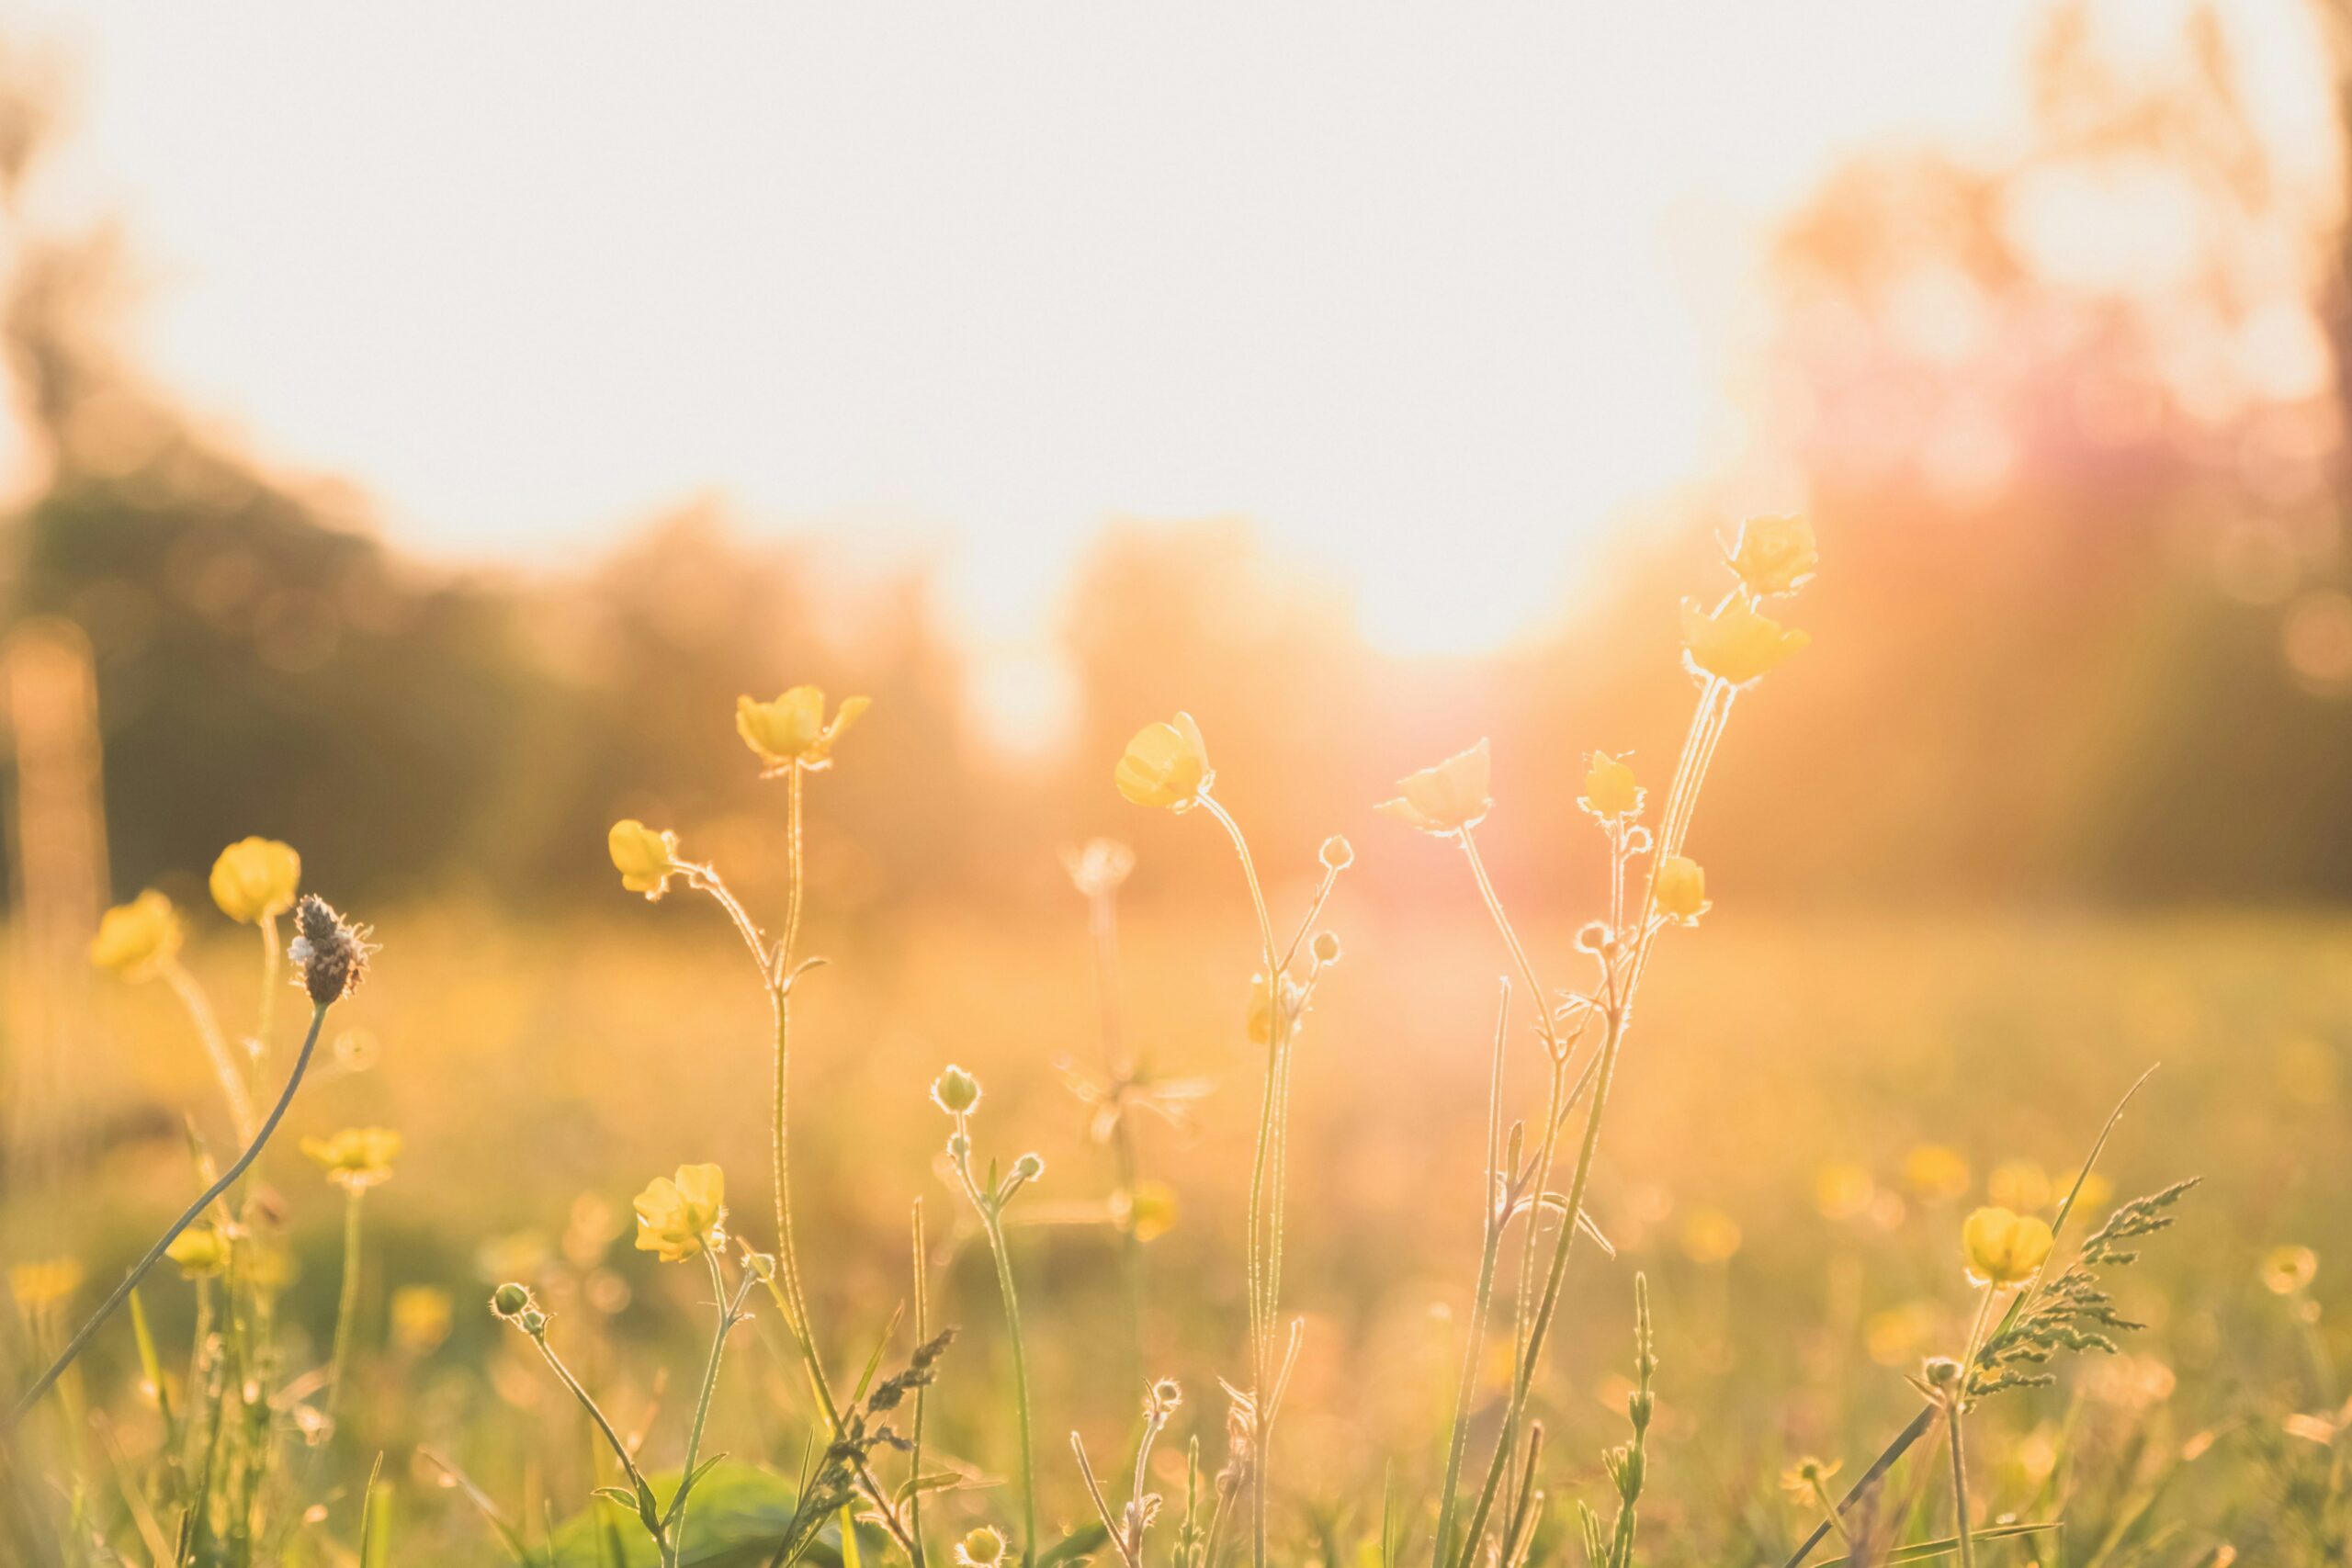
[(1497, 1195), (1020, 1389), (1960, 1490), (228, 1179), (347, 1303)]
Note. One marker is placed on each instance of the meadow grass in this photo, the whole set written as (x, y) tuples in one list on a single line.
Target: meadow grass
[(1775, 1287)]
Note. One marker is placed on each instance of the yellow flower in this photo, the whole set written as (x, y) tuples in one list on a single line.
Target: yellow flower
[(136, 939), (2018, 1184), (645, 859), (791, 731), (1934, 1171), (1735, 641), (44, 1285), (1896, 1336), (1842, 1191), (1774, 555), (1609, 788), (1802, 1478), (1152, 1209), (255, 880), (2096, 1190), (1166, 766), (982, 1547), (2002, 1248), (678, 1217), (1447, 798), (2288, 1270), (1680, 889), (201, 1251), (421, 1317), (356, 1158), (1709, 1236)]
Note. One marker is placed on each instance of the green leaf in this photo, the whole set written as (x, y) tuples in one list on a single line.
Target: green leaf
[(741, 1514), (1087, 1540)]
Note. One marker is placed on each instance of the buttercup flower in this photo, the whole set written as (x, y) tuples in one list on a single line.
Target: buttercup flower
[(201, 1251), (2287, 1269), (358, 1158), (1709, 1236), (1800, 1478), (646, 860), (1609, 789), (1680, 888), (255, 880), (1151, 1210), (2002, 1248), (135, 939), (1774, 555), (791, 731), (1166, 766), (1447, 798), (1735, 641), (421, 1317), (982, 1547), (1933, 1170), (678, 1217)]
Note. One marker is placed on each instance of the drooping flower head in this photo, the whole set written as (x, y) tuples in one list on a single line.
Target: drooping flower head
[(137, 939), (1774, 555), (792, 731), (356, 1158), (1611, 791), (1735, 641), (680, 1216), (1446, 798), (255, 880), (1680, 888), (1166, 766), (646, 860), (2003, 1247)]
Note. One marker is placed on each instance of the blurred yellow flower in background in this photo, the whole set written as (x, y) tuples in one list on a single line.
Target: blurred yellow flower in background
[(1166, 766), (1934, 1170), (255, 880), (1446, 798), (1843, 1191), (1610, 788), (679, 1216), (1736, 642), (1775, 555), (792, 732), (2019, 1184), (1680, 889), (421, 1317), (646, 860), (1709, 1236), (45, 1284), (136, 939), (201, 1251), (2002, 1248), (356, 1158), (2286, 1270), (1152, 1209)]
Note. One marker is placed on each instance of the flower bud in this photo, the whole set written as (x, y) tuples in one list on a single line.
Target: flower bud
[(509, 1300), (534, 1321), (1029, 1167), (955, 1092), (1326, 948), (1337, 853)]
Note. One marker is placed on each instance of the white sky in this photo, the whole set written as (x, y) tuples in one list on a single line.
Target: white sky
[(1431, 291)]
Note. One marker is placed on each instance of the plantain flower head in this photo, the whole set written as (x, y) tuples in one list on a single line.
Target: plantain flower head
[(1446, 798), (330, 954), (680, 1216), (356, 1158), (1610, 792), (256, 879), (1735, 641), (646, 860), (2004, 1247), (137, 939), (792, 732), (1166, 766), (1680, 889), (1774, 555)]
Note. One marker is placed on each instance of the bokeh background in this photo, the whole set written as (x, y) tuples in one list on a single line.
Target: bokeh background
[(421, 428)]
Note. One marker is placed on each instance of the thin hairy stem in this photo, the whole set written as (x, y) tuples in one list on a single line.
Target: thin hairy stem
[(913, 1539), (612, 1439), (992, 1227), (1118, 1076), (1960, 1490), (228, 1179), (1482, 1297), (347, 1310), (265, 1015), (728, 1312), (216, 1046)]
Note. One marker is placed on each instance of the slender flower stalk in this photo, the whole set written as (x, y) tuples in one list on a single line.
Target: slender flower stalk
[(216, 1046), (1497, 1202), (730, 1313), (227, 1179), (347, 1311)]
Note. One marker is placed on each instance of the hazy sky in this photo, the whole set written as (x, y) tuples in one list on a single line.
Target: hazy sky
[(1432, 292)]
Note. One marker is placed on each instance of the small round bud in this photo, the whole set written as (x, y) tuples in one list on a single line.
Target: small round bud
[(1029, 1167), (982, 1547), (1594, 936), (955, 1092), (958, 1145), (509, 1299), (1941, 1371), (758, 1265), (1326, 948), (1167, 1394), (1337, 853), (534, 1322)]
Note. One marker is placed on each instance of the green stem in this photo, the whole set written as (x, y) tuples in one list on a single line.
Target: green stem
[(612, 1439), (216, 1046), (1960, 1489), (727, 1315), (992, 1227), (266, 1016), (1481, 1298), (347, 1304), (139, 1271), (914, 1443)]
